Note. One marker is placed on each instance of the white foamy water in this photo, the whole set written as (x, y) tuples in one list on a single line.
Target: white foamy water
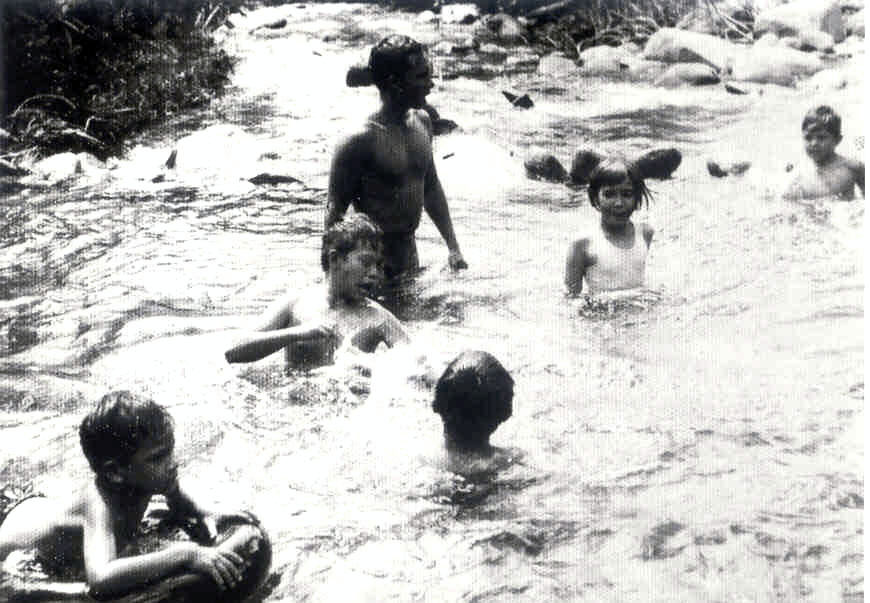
[(705, 446)]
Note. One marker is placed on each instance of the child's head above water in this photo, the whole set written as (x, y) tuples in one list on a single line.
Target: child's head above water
[(821, 133), (474, 396), (120, 427), (346, 235), (612, 173)]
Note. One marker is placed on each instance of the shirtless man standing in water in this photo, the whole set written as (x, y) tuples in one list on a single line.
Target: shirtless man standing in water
[(386, 170)]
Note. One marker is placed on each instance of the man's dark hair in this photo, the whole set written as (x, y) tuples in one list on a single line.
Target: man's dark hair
[(119, 425), (822, 117), (389, 58), (343, 237), (615, 171), (473, 396)]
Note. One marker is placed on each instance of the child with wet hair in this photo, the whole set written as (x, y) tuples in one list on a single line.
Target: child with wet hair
[(129, 443), (313, 324), (473, 396), (613, 257), (829, 174)]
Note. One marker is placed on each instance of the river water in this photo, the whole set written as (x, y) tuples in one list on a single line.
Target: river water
[(704, 443)]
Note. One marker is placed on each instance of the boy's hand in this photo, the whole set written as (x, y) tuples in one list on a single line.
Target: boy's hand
[(211, 519), (456, 261), (224, 567)]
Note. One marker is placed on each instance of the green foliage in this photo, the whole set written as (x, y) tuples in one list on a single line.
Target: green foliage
[(83, 74)]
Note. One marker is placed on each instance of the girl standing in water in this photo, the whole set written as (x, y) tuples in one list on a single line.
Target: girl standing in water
[(613, 258)]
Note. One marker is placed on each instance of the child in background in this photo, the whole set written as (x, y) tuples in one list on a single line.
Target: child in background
[(830, 174), (613, 258), (129, 443)]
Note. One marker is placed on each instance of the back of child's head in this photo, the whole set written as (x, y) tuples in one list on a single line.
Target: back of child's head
[(391, 57), (611, 172), (119, 425), (344, 236), (822, 118), (474, 393)]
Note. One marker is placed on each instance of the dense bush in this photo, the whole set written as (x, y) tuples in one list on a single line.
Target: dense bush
[(83, 74)]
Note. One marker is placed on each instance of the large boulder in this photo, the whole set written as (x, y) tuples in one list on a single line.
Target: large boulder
[(774, 65), (604, 60), (459, 13), (803, 16), (499, 28), (850, 75), (544, 166), (704, 19), (581, 167), (687, 74), (671, 45), (557, 66)]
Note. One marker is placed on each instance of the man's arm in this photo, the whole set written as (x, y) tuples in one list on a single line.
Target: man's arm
[(344, 178), (576, 265), (274, 332), (107, 574), (435, 204)]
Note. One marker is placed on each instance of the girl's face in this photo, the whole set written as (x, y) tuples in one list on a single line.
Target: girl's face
[(616, 203)]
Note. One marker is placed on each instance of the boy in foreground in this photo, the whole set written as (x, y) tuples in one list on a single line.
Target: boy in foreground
[(830, 175), (386, 170), (312, 325), (129, 443)]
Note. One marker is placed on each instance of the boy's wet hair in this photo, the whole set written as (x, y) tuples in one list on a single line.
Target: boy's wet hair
[(119, 425), (343, 237), (824, 118), (475, 391), (390, 58), (611, 172)]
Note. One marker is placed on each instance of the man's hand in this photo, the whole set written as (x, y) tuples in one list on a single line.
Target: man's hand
[(456, 261)]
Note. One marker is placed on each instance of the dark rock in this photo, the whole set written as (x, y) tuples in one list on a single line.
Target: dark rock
[(734, 89), (358, 75), (715, 170), (273, 179), (9, 169), (582, 166), (523, 102), (713, 537), (544, 166), (468, 19), (659, 163), (170, 162), (653, 545)]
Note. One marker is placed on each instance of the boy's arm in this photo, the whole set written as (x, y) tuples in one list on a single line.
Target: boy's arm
[(393, 331), (344, 179), (273, 333), (435, 204), (109, 575), (576, 265)]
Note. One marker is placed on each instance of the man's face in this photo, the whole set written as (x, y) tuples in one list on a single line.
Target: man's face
[(820, 144), (417, 80)]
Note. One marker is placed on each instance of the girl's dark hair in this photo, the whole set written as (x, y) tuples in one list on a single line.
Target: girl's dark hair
[(119, 425), (346, 234), (615, 171), (389, 58), (474, 387)]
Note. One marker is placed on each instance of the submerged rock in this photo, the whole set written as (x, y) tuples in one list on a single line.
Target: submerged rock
[(557, 66), (545, 166), (523, 102), (688, 74), (604, 60), (659, 163), (728, 169), (581, 167)]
